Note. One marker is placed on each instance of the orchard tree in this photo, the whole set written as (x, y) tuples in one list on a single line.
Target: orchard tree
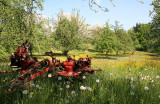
[(69, 33), (136, 44), (124, 41), (143, 35), (107, 41), (17, 22), (155, 26)]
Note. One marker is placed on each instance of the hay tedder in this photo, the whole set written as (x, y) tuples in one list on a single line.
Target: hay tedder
[(32, 68)]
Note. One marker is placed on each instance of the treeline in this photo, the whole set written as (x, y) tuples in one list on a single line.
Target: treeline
[(19, 23)]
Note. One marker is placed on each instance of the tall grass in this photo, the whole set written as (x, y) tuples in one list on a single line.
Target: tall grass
[(120, 82)]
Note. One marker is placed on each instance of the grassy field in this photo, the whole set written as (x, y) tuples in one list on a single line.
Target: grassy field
[(125, 79)]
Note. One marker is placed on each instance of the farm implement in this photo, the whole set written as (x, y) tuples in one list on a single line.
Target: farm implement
[(32, 68)]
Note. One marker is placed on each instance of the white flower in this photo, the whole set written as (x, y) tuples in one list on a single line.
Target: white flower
[(146, 88), (132, 93), (6, 78), (157, 77), (97, 80), (96, 11), (84, 77), (159, 96), (25, 92), (9, 89), (67, 86), (90, 89), (145, 69), (67, 101), (30, 96), (73, 92), (141, 78), (152, 81), (83, 88), (132, 79), (60, 89), (39, 87), (33, 85), (67, 82), (49, 75), (59, 78), (110, 74), (127, 77), (132, 86)]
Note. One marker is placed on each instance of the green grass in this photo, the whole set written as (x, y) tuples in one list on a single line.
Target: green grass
[(122, 81)]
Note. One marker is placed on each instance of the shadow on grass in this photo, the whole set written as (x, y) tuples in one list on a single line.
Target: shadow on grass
[(57, 54), (110, 56), (92, 50), (105, 58), (154, 58), (154, 55), (114, 55)]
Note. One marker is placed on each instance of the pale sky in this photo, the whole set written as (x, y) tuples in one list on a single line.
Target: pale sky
[(127, 12)]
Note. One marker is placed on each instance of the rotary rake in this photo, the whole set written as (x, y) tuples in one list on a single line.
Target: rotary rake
[(32, 68)]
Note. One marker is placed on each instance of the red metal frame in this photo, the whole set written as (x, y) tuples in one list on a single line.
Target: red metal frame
[(70, 67), (21, 59)]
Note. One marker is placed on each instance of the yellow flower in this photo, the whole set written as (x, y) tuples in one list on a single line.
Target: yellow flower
[(3, 80), (72, 85), (31, 93)]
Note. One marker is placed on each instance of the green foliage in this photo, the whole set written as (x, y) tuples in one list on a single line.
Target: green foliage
[(135, 41), (69, 33), (3, 54), (96, 34), (124, 40), (155, 26), (17, 24), (117, 40), (42, 40), (143, 35), (148, 35), (106, 41)]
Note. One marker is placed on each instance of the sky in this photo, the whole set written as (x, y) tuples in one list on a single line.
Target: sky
[(127, 12)]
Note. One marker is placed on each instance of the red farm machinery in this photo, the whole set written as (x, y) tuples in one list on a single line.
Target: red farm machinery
[(32, 68)]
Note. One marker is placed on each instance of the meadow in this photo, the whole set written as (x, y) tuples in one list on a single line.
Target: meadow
[(125, 79)]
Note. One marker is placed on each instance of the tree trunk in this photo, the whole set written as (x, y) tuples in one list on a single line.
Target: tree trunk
[(133, 52), (117, 53), (107, 54), (124, 53)]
